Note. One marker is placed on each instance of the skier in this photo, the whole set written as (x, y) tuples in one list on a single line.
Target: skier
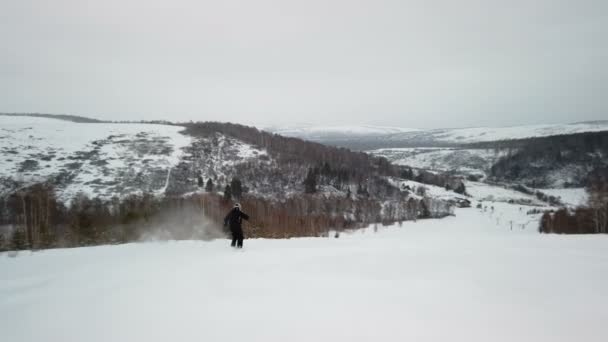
[(234, 219)]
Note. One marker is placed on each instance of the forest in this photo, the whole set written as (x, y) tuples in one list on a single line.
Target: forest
[(531, 160)]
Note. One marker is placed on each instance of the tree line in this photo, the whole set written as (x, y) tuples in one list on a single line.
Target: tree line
[(33, 218)]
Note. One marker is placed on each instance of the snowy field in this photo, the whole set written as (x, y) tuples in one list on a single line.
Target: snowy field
[(573, 197), (463, 278)]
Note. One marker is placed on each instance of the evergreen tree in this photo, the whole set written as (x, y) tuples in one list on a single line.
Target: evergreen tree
[(326, 171), (362, 191), (310, 182), (227, 193), (209, 185), (237, 188), (200, 181), (460, 189)]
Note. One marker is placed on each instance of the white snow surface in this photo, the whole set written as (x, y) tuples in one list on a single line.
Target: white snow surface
[(463, 278), (491, 193), (573, 197)]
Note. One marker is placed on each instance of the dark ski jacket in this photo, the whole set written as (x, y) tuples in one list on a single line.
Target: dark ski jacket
[(234, 219)]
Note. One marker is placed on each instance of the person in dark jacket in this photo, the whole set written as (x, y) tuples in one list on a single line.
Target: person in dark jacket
[(233, 220)]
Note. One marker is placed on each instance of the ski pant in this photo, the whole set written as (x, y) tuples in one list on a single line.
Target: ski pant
[(237, 237)]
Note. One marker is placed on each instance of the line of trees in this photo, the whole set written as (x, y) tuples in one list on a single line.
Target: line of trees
[(34, 218)]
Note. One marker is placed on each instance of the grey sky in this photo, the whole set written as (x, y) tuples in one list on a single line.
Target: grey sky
[(421, 63)]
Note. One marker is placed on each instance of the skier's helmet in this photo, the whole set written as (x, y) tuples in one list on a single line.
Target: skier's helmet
[(237, 206)]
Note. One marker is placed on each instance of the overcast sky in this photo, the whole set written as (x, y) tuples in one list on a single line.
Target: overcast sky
[(420, 63)]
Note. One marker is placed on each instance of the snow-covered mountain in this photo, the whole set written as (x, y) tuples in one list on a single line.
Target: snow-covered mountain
[(373, 137), (485, 134)]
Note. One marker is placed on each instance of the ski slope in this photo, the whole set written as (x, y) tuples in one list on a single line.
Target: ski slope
[(465, 278)]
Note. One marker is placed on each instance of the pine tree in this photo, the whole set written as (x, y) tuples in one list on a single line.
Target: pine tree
[(227, 193), (209, 185), (326, 171), (460, 189), (310, 182), (237, 188)]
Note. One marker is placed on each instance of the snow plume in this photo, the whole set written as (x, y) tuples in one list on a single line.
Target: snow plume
[(183, 223)]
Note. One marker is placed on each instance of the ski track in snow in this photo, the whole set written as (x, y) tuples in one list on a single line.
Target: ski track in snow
[(463, 278)]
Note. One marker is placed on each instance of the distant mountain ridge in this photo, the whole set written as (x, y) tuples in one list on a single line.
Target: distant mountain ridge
[(335, 132), (364, 138)]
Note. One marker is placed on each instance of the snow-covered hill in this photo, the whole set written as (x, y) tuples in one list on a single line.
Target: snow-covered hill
[(465, 278), (463, 161), (105, 159), (366, 137)]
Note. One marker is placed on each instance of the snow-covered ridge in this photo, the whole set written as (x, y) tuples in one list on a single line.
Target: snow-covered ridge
[(393, 136), (485, 134)]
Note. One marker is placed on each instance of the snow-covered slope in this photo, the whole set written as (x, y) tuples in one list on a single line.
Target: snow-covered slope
[(98, 158), (105, 160), (573, 197), (463, 161), (463, 278)]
